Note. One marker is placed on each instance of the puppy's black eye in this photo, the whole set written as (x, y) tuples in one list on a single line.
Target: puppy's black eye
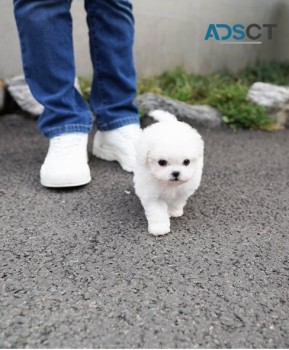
[(162, 162), (186, 162)]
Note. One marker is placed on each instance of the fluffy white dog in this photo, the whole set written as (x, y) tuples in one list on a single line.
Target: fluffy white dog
[(169, 164)]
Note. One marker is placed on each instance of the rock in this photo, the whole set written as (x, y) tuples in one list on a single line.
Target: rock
[(274, 98), (2, 95), (21, 94), (7, 104), (195, 115), (268, 95)]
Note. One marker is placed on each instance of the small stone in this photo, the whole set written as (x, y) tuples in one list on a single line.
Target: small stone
[(268, 95), (195, 115), (274, 98)]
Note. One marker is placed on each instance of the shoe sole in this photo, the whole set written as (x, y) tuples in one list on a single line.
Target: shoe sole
[(65, 184)]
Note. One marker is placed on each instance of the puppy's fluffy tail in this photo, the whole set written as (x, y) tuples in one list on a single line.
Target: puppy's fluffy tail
[(162, 116)]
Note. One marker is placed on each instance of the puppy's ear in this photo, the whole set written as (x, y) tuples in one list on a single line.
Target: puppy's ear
[(142, 151)]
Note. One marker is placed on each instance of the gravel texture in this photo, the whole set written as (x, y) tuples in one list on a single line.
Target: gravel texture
[(78, 268)]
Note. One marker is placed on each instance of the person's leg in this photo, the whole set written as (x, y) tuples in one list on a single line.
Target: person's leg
[(111, 31), (45, 32)]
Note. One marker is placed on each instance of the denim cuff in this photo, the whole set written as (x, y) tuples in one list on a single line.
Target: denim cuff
[(67, 129)]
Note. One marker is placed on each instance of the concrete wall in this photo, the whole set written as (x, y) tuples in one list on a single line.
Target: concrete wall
[(171, 33), (10, 60)]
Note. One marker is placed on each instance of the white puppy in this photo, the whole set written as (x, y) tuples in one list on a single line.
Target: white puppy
[(169, 163)]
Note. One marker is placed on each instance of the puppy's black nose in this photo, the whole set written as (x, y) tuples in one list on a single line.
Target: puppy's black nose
[(176, 174)]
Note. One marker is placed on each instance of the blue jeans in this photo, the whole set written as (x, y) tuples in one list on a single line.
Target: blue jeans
[(45, 32)]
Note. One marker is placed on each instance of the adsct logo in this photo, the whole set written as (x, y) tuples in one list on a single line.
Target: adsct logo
[(239, 33)]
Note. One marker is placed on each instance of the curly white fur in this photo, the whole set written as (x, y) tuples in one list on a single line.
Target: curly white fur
[(169, 163)]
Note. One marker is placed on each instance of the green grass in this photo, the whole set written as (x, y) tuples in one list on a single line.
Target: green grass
[(225, 91), (85, 86)]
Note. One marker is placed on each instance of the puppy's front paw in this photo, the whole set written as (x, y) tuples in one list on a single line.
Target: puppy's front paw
[(176, 213), (159, 229)]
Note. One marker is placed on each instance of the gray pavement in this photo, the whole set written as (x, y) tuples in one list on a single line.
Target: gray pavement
[(78, 268)]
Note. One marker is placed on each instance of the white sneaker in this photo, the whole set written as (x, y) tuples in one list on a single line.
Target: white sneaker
[(117, 144), (65, 164)]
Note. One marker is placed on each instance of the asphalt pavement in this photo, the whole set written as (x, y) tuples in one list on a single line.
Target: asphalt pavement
[(78, 268)]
